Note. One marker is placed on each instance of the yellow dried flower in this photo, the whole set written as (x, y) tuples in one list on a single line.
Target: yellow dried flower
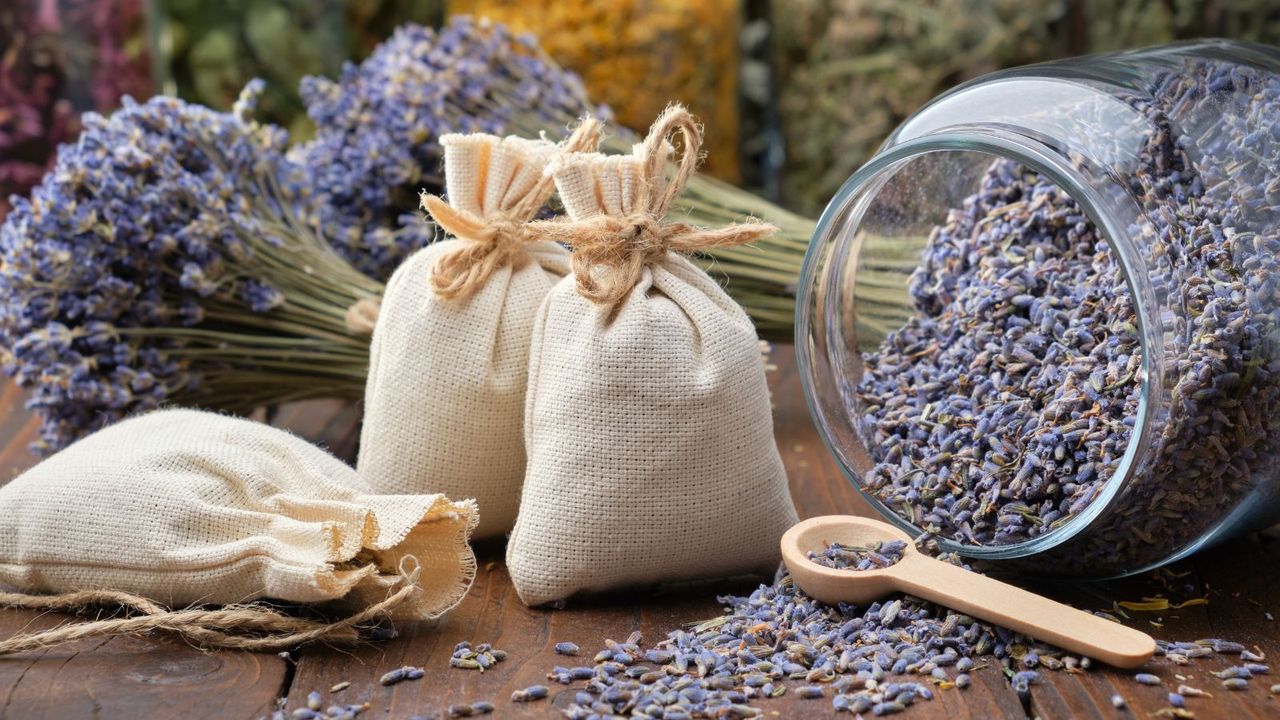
[(638, 56)]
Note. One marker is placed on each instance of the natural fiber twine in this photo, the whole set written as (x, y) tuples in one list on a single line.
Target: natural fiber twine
[(496, 240), (449, 357), (610, 252), (649, 436), (252, 626)]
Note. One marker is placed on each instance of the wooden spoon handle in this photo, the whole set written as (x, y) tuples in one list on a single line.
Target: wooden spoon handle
[(1014, 608)]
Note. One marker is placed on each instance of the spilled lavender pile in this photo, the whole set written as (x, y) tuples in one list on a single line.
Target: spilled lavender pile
[(1000, 410), (856, 557), (161, 261), (881, 658), (378, 127)]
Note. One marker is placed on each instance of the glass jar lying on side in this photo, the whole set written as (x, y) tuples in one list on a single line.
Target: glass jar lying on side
[(1083, 258)]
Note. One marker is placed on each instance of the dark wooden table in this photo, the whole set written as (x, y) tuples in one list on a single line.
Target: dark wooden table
[(164, 678)]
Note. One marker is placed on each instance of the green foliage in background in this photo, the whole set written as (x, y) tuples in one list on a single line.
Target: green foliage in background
[(211, 49), (849, 71), (1125, 24)]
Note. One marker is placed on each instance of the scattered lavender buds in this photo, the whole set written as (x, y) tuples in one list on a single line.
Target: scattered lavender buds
[(1022, 681), (875, 662), (483, 707), (1147, 679), (809, 692), (1187, 691), (878, 659), (848, 557), (531, 693), (408, 672), (1235, 683), (1117, 701), (1003, 406), (566, 648), (481, 658)]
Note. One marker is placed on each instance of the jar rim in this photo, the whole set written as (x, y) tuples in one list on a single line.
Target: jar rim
[(1000, 143)]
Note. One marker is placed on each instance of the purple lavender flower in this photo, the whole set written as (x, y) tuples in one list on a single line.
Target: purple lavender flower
[(377, 127), (163, 216)]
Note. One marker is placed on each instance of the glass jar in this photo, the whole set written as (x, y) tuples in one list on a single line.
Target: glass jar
[(1065, 354)]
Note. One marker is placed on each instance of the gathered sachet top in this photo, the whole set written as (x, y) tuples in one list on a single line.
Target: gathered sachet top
[(444, 400), (648, 426)]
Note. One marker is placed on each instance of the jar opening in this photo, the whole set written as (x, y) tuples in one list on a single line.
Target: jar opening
[(981, 348)]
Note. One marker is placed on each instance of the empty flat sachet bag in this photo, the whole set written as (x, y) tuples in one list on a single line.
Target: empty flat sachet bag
[(186, 507)]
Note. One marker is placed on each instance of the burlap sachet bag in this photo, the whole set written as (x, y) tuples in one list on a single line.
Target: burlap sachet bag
[(647, 423), (181, 507), (444, 401)]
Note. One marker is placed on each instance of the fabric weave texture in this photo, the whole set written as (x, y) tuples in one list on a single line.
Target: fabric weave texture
[(444, 400), (188, 507)]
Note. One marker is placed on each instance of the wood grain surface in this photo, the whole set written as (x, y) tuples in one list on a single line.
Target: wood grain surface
[(163, 678)]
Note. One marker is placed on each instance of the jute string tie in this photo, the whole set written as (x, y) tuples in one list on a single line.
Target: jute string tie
[(491, 242), (240, 627), (610, 253), (498, 239)]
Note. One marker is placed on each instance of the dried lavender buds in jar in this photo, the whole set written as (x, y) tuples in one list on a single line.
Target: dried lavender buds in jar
[(860, 557), (1001, 409)]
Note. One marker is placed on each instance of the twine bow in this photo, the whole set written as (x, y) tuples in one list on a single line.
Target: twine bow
[(611, 252), (497, 240)]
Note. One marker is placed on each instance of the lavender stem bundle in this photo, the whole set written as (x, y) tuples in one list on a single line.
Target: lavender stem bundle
[(165, 259), (377, 146)]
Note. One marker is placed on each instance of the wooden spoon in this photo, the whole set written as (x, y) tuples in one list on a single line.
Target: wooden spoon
[(953, 587)]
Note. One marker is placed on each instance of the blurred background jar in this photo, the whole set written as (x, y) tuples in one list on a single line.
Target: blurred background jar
[(849, 71), (638, 56), (795, 95)]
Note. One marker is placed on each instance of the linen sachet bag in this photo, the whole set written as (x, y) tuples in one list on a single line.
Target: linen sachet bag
[(650, 443), (183, 507), (444, 400)]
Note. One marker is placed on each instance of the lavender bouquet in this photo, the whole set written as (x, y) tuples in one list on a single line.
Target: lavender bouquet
[(376, 148), (167, 257)]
